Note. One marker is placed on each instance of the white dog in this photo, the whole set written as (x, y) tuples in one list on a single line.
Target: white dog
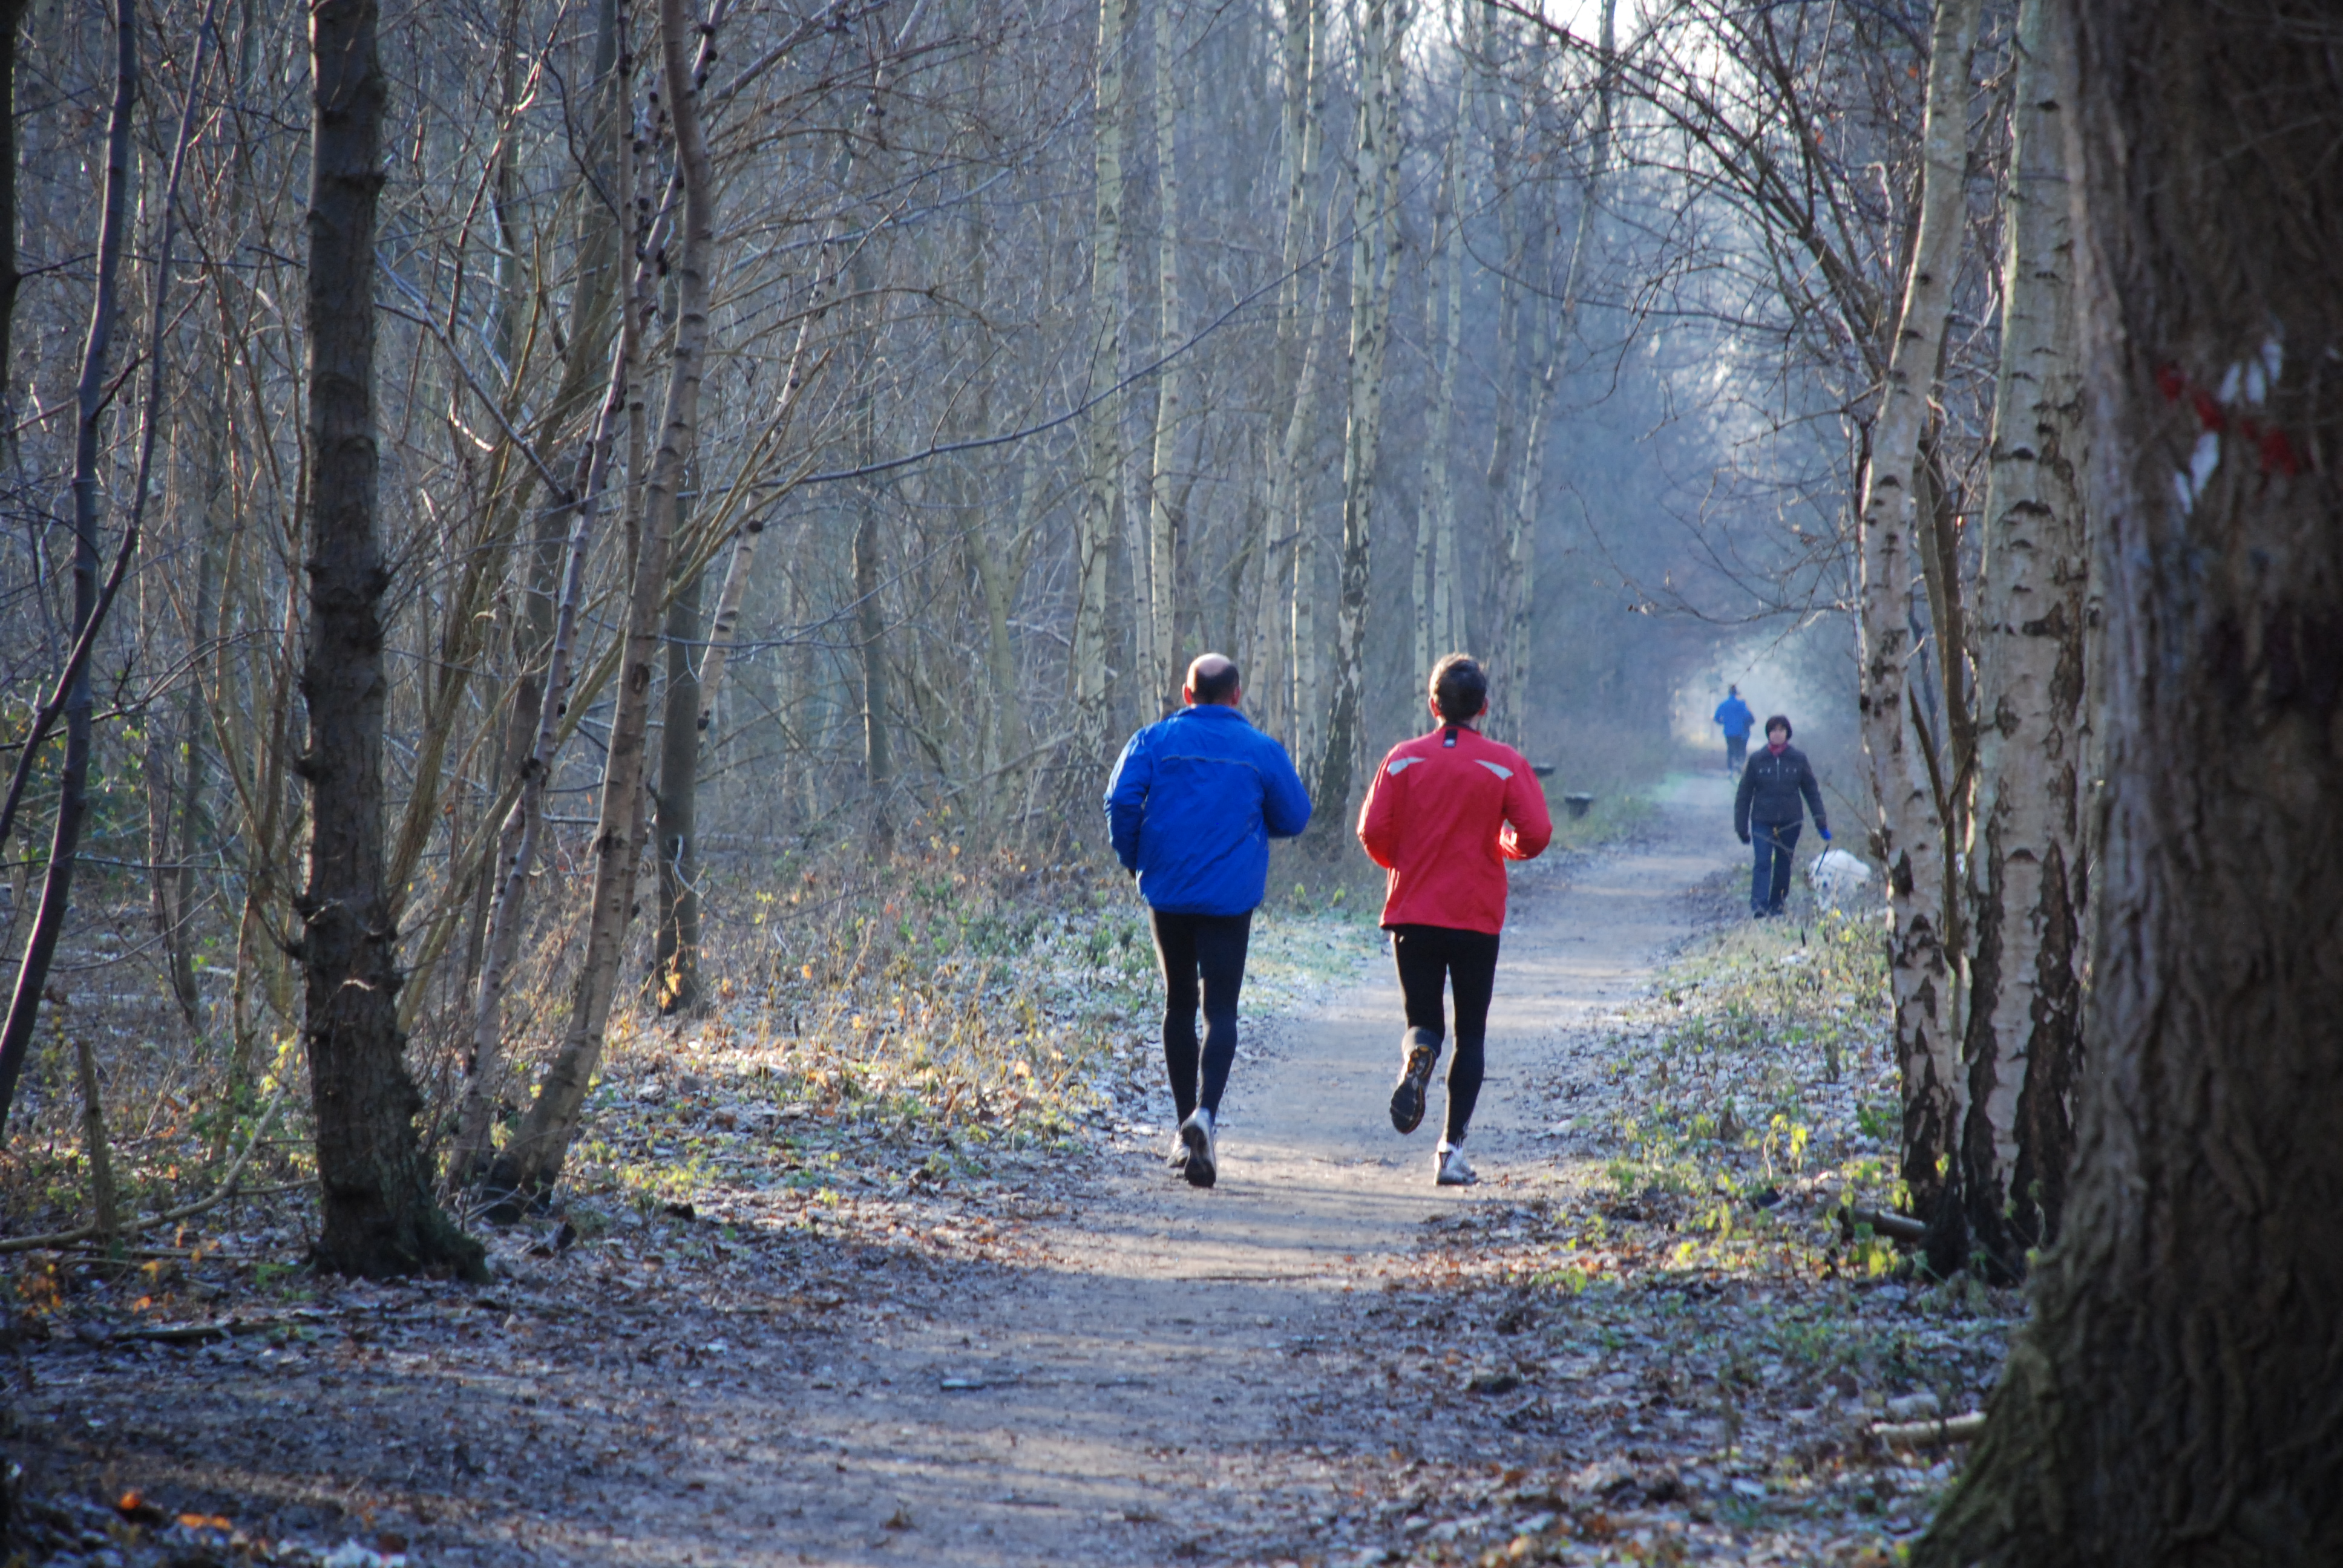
[(1838, 877)]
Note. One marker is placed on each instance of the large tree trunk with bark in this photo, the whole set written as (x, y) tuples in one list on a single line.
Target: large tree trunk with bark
[(2174, 1399), (1909, 833), (376, 1216), (2022, 1046), (1269, 675), (531, 1163)]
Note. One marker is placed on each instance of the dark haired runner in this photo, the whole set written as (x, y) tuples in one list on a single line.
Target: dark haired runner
[(1193, 806), (1443, 815)]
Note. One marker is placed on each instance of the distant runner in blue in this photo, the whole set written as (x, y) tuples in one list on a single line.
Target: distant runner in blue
[(1733, 717)]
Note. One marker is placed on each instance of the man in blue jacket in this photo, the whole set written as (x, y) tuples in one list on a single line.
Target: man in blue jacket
[(1733, 717), (1193, 803)]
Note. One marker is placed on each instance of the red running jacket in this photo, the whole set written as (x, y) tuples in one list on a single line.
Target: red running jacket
[(1445, 813)]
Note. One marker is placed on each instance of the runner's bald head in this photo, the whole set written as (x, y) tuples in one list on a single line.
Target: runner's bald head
[(1212, 678)]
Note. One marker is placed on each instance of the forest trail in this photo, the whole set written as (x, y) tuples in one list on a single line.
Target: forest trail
[(1075, 1358), (1161, 1388)]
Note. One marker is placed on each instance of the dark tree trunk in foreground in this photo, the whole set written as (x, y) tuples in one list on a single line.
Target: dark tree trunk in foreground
[(377, 1216), (2178, 1397)]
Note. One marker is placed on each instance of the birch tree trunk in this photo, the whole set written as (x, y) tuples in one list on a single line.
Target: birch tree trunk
[(1908, 832), (1268, 681), (1162, 682), (377, 1214), (1303, 713), (2173, 1399), (1521, 597), (531, 1163), (1090, 677), (2022, 1053), (1435, 518), (1371, 267)]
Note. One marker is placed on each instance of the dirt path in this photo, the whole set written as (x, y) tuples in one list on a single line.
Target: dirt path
[(1161, 1388), (1071, 1362)]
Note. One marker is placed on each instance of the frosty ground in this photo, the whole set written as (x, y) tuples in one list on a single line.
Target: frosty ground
[(1647, 1336)]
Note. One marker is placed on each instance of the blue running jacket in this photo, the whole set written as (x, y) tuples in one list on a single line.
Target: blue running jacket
[(1193, 803)]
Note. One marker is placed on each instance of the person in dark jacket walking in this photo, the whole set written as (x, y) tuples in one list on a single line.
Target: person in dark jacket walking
[(1733, 717), (1444, 813), (1194, 800), (1774, 784)]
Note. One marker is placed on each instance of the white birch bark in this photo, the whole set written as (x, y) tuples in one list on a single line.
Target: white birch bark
[(1372, 212), (1435, 521), (1908, 833), (1521, 595), (1090, 677), (2023, 1044), (1271, 683), (1162, 677)]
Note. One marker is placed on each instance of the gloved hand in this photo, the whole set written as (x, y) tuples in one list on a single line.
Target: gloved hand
[(1744, 838), (1825, 833)]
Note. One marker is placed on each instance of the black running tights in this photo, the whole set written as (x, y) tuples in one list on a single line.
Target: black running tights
[(1467, 962), (1210, 949)]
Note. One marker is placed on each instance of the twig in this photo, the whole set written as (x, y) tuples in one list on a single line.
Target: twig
[(1935, 1433), (1883, 1222)]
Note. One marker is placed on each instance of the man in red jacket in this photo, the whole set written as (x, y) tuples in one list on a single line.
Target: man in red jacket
[(1443, 815)]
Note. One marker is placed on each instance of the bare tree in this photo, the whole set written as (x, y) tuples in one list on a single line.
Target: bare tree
[(1160, 675), (1374, 218), (1089, 676), (75, 699), (530, 1162)]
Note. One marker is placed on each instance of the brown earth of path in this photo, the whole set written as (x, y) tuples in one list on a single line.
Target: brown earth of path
[(1164, 1374), (1174, 1384)]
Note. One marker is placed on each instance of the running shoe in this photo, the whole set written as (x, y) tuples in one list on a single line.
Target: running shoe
[(1449, 1169), (1423, 1048), (1196, 1132), (1176, 1157)]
